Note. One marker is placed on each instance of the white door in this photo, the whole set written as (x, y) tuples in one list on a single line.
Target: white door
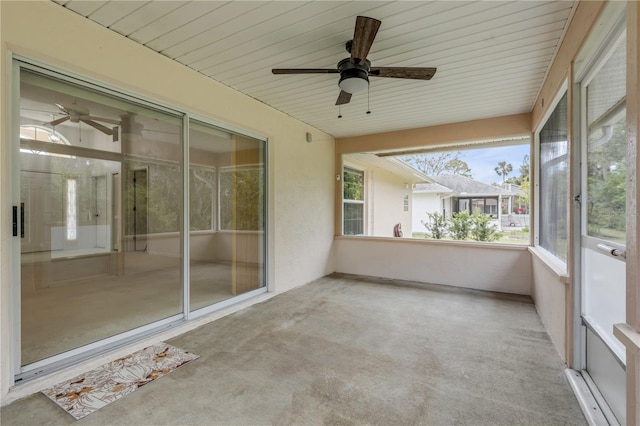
[(603, 235)]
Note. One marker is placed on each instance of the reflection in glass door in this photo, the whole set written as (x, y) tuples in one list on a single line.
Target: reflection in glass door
[(226, 176), (85, 276), (603, 235), (102, 240), (100, 210)]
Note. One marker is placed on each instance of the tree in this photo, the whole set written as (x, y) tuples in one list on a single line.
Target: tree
[(433, 164), (606, 186), (524, 173), (503, 169), (524, 199), (524, 168), (458, 167)]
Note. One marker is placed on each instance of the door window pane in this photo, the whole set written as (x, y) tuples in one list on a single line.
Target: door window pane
[(226, 175), (101, 190), (604, 207), (606, 150), (554, 180)]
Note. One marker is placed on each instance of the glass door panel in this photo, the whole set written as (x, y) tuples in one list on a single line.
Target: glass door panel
[(100, 188), (603, 227), (226, 175)]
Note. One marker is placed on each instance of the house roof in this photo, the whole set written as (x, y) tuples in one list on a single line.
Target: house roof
[(390, 164), (461, 186), (431, 188), (491, 56)]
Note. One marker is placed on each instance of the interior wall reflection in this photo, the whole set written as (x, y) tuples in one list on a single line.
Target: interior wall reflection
[(226, 205), (100, 189)]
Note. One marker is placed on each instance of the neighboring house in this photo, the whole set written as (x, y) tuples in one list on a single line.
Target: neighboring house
[(429, 198), (449, 194), (385, 191)]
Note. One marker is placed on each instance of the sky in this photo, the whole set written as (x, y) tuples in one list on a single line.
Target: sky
[(483, 161)]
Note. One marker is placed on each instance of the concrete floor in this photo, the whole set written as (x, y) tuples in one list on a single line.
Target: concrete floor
[(353, 350)]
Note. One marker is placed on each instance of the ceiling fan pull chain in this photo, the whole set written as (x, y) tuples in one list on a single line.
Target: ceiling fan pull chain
[(368, 103), (339, 111)]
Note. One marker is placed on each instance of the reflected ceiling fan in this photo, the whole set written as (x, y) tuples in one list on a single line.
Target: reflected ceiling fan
[(76, 113), (356, 70)]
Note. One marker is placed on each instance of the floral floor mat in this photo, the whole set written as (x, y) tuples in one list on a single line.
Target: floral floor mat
[(93, 390)]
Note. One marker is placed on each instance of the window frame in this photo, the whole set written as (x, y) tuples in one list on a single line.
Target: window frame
[(352, 169), (551, 257), (18, 64)]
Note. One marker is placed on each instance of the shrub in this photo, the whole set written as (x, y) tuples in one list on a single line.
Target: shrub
[(436, 226), (482, 229), (460, 225)]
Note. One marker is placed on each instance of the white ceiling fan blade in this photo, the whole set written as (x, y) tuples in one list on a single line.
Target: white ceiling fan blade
[(98, 126), (58, 121), (101, 119), (63, 108)]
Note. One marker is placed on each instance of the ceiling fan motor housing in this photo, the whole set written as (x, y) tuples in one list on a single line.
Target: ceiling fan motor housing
[(353, 77)]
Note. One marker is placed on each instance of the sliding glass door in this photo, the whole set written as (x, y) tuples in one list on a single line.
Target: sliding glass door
[(77, 286), (104, 234), (226, 203)]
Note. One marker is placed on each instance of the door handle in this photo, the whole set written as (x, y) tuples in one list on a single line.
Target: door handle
[(15, 221), (613, 251)]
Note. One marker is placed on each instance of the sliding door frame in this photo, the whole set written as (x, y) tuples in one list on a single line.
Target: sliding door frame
[(70, 357)]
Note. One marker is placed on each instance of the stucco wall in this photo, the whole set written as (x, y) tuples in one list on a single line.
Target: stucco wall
[(550, 291), (505, 269), (387, 208), (384, 197), (423, 204), (301, 174)]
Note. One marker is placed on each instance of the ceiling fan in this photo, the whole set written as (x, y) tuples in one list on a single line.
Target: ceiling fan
[(356, 70), (76, 113)]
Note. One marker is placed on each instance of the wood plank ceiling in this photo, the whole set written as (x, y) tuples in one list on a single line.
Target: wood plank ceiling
[(492, 56)]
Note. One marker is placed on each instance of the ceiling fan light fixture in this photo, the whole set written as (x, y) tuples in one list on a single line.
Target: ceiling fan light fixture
[(354, 80)]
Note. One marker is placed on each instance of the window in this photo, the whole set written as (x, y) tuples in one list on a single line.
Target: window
[(424, 191), (553, 182), (202, 184), (241, 198), (488, 206), (353, 201), (405, 199), (43, 134), (606, 150), (72, 212)]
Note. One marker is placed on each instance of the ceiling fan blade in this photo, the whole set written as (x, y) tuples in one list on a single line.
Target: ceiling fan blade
[(62, 108), (304, 71), (98, 126), (58, 121), (403, 72), (343, 98), (363, 36), (102, 119)]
